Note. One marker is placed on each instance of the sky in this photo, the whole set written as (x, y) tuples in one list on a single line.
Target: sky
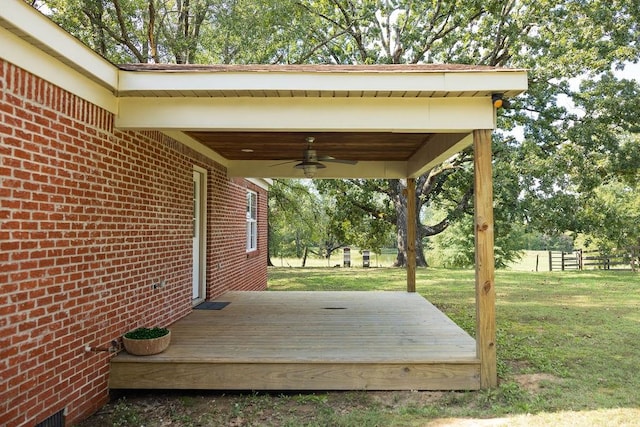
[(631, 72)]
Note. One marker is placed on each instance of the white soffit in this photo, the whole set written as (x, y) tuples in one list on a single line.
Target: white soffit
[(263, 183), (185, 139), (440, 148)]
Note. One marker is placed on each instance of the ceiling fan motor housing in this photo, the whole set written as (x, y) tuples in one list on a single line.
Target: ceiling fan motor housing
[(310, 156)]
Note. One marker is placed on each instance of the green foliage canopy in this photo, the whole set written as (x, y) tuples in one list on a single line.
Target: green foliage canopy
[(574, 131)]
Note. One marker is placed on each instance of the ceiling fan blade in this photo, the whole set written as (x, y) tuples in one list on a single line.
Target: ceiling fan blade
[(284, 163), (334, 160)]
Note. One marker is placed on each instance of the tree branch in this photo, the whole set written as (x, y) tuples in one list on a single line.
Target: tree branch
[(493, 57), (303, 58), (352, 28), (462, 206), (125, 34), (153, 44), (443, 31)]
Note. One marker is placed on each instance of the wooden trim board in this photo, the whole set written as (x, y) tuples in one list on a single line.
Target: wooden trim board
[(296, 376)]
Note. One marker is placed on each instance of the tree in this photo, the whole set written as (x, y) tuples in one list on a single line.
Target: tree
[(557, 41), (572, 136), (611, 217), (358, 218), (292, 219), (301, 222), (120, 30), (179, 31)]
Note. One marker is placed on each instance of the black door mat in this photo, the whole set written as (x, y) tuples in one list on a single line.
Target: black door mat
[(211, 305)]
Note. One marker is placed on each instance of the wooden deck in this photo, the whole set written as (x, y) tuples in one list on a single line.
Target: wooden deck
[(309, 341)]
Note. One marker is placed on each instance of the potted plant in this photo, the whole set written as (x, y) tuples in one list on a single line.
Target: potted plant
[(146, 341)]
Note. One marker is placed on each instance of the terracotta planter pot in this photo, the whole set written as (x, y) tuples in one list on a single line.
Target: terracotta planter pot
[(146, 347)]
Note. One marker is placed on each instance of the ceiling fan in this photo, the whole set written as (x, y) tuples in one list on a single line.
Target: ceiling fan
[(310, 162)]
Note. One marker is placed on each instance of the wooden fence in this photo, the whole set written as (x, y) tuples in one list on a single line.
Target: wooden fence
[(580, 260), (565, 260)]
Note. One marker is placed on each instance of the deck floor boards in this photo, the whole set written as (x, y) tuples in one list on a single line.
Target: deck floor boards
[(309, 340)]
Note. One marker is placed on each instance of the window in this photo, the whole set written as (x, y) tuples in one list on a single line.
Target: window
[(252, 221)]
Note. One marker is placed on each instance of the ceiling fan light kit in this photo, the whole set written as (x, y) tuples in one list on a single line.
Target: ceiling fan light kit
[(310, 168)]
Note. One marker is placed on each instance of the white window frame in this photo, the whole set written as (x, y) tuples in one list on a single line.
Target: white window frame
[(252, 221)]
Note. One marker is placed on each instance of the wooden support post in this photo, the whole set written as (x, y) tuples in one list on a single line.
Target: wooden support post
[(485, 274), (411, 234)]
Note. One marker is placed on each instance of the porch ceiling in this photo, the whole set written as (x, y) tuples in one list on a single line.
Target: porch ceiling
[(359, 146)]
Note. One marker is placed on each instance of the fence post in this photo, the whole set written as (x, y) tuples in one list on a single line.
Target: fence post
[(580, 265), (550, 261), (562, 260)]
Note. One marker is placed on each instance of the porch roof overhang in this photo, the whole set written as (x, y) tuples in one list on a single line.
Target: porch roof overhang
[(396, 121)]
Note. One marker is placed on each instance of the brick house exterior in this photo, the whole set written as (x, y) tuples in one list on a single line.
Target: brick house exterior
[(91, 217)]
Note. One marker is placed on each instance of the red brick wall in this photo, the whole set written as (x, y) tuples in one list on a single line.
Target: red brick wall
[(91, 217), (227, 239)]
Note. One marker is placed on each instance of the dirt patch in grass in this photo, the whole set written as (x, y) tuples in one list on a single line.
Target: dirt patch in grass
[(396, 399), (459, 422), (534, 382)]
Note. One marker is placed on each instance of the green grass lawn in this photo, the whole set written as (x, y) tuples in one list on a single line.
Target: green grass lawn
[(567, 341), (568, 355)]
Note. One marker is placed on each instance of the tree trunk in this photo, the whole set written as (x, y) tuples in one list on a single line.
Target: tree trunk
[(269, 233), (401, 241), (400, 204), (299, 249), (421, 261)]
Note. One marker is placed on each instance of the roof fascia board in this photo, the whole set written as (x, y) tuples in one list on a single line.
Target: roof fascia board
[(136, 82), (36, 29), (32, 59), (49, 36), (308, 114), (494, 82)]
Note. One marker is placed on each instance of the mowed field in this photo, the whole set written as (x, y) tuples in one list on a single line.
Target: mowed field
[(528, 261)]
